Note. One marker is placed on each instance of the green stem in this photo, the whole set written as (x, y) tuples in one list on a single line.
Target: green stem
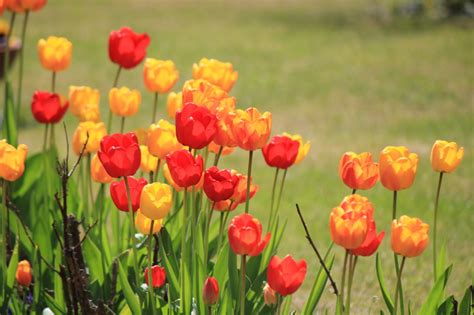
[(279, 303), (109, 120), (52, 138), (243, 266), (3, 237), (223, 222), (20, 69), (249, 175), (183, 249), (155, 106), (150, 277), (206, 235), (399, 284), (132, 230), (101, 197), (89, 184), (6, 58), (354, 191), (343, 279), (280, 193), (435, 225), (394, 205), (53, 82), (157, 170), (218, 155), (45, 139), (270, 218), (395, 257), (122, 124), (352, 265)]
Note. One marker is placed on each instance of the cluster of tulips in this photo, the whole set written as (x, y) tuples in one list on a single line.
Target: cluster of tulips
[(187, 260)]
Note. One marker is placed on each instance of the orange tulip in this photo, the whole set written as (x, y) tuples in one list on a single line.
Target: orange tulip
[(397, 168), (251, 129), (84, 103), (358, 171), (161, 139), (159, 75), (174, 103), (24, 273), (12, 160), (303, 148), (349, 223), (216, 72), (409, 236), (225, 116), (142, 134), (98, 172), (445, 156), (214, 148), (20, 6), (124, 102), (55, 53), (203, 93)]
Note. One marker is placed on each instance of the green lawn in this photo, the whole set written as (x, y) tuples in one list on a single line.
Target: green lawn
[(330, 71)]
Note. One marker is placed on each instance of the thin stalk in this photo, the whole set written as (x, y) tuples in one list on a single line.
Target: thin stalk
[(6, 58), (3, 237), (206, 234), (354, 191), (395, 257), (270, 221), (343, 279), (394, 205), (52, 138), (20, 68), (280, 193), (151, 177), (352, 265), (224, 218), (132, 236), (101, 197), (150, 278), (89, 184), (435, 225), (399, 285), (157, 170), (155, 106), (122, 124), (109, 120), (53, 82), (249, 174), (279, 303), (218, 155), (45, 138), (183, 248), (243, 266)]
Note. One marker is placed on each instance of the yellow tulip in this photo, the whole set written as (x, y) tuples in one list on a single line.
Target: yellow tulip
[(96, 132), (143, 224), (160, 75), (216, 72), (203, 93), (156, 200), (397, 167), (82, 100), (55, 53), (124, 102), (303, 148), (174, 103), (251, 129), (161, 139), (148, 163), (445, 156), (12, 160)]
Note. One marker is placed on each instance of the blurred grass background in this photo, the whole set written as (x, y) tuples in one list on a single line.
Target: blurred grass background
[(340, 73)]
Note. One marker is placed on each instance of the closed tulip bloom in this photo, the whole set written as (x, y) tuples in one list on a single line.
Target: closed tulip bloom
[(20, 6), (225, 205), (371, 243), (156, 200), (55, 53), (216, 72), (127, 48), (174, 103), (269, 295), (161, 139), (158, 276), (245, 235), (349, 223), (214, 148), (143, 223), (286, 275), (397, 168), (251, 129), (219, 185), (120, 154), (303, 149), (280, 152), (118, 192), (204, 94), (81, 97), (24, 274), (160, 75), (148, 163), (240, 191), (358, 171), (169, 180), (12, 160), (409, 236), (224, 135), (96, 132), (445, 156), (142, 134), (48, 108), (195, 126), (210, 291), (124, 102), (98, 172), (185, 170)]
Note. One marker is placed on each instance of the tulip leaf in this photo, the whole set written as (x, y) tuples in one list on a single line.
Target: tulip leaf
[(318, 286), (287, 305), (234, 282), (170, 270), (36, 271), (446, 308), (221, 266), (440, 263), (12, 266), (94, 260), (466, 302), (339, 305), (58, 282), (9, 122), (130, 297), (383, 288), (33, 172), (436, 294), (53, 305)]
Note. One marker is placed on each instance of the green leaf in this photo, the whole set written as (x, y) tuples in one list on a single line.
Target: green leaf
[(436, 294), (53, 305), (130, 297), (93, 257), (446, 308), (234, 282), (168, 264), (58, 283), (221, 266), (9, 122), (318, 286), (33, 171), (466, 302), (12, 266), (339, 305), (440, 264), (287, 305), (383, 288)]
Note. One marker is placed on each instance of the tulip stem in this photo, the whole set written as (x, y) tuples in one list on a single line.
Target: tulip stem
[(399, 286), (206, 234), (243, 266), (354, 191), (52, 138), (20, 68), (280, 193), (109, 120), (89, 183), (157, 171), (270, 220), (435, 267), (45, 139), (352, 265), (218, 155), (183, 252), (279, 303), (132, 236), (3, 237), (6, 58), (343, 279), (394, 205), (249, 174), (222, 224), (53, 82), (122, 124), (155, 106), (150, 277)]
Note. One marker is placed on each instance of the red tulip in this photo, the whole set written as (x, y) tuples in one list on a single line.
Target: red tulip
[(219, 184), (285, 275), (371, 242), (120, 154), (281, 152), (158, 276), (245, 234), (185, 170), (196, 126), (127, 48), (118, 192), (210, 291), (48, 108)]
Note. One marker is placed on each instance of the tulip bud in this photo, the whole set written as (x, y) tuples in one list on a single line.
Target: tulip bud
[(118, 192), (358, 171), (12, 160), (21, 6), (280, 152), (210, 291), (219, 185), (286, 275), (143, 223), (158, 276), (409, 236), (161, 139), (203, 94), (269, 295), (127, 48), (397, 168), (159, 75), (245, 234), (84, 102), (185, 170), (445, 156), (195, 126), (48, 108), (251, 129), (303, 149), (156, 200), (120, 154), (124, 102), (55, 53), (23, 273), (216, 72)]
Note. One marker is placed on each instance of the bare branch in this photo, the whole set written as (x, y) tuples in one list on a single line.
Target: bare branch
[(85, 235), (79, 158)]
